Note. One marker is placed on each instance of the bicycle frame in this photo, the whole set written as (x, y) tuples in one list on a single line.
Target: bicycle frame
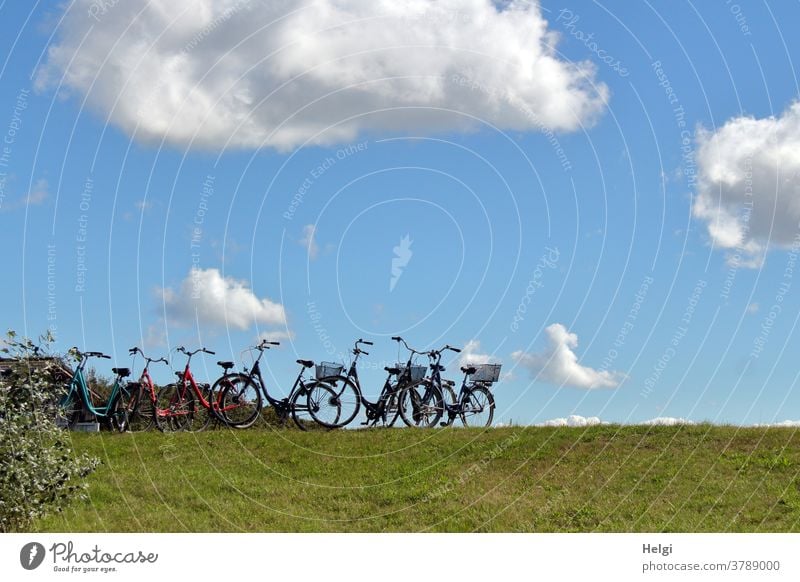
[(255, 374), (78, 384)]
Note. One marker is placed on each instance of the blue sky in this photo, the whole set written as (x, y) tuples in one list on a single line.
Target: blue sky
[(611, 218)]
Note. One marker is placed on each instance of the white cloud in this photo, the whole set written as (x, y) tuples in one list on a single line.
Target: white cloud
[(308, 241), (38, 193), (558, 364), (666, 421), (781, 424), (205, 296), (275, 336), (748, 188), (470, 355), (251, 74), (573, 420), (752, 308)]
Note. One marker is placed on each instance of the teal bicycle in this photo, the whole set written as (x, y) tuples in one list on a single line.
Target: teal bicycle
[(77, 398)]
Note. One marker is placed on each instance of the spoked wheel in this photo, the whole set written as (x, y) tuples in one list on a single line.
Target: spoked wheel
[(388, 408), (68, 412), (118, 415), (336, 393), (450, 398), (421, 405), (203, 416), (477, 407), (317, 403), (174, 408), (140, 409), (239, 400)]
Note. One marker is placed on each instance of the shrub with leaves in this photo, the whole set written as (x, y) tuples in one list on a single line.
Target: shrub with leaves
[(39, 472)]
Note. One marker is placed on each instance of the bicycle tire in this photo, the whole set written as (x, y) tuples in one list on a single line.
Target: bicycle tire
[(451, 398), (239, 401), (348, 398), (389, 404), (140, 410), (203, 415), (117, 412), (68, 412), (174, 408), (421, 404), (477, 400), (321, 401)]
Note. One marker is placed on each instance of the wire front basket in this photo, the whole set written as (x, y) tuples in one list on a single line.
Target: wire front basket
[(486, 373), (328, 370), (417, 372)]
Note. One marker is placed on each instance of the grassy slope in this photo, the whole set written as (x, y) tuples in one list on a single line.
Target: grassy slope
[(606, 478)]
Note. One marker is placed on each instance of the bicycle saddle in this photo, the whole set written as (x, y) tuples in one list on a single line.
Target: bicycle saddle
[(305, 363), (468, 369), (225, 365), (392, 370), (437, 366), (122, 372)]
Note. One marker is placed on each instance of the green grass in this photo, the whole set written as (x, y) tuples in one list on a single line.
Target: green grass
[(605, 478)]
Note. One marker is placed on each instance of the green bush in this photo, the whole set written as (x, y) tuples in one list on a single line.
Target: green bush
[(39, 473)]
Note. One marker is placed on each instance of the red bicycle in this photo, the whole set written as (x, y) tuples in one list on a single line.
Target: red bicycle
[(187, 405), (141, 407)]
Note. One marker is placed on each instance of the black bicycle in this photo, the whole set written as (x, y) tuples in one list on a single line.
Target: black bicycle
[(423, 403), (349, 397), (241, 395), (475, 402)]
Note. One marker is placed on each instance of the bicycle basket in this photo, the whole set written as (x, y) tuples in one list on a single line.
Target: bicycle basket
[(487, 373), (417, 372), (328, 370)]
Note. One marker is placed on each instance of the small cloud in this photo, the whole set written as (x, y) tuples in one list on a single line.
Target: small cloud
[(558, 364), (666, 421), (308, 241), (752, 308), (205, 296), (573, 420), (275, 336), (783, 423), (143, 205), (39, 193), (471, 356)]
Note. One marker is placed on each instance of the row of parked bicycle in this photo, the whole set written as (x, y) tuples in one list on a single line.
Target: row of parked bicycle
[(332, 398)]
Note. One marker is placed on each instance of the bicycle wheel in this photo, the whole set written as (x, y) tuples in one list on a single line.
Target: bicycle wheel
[(140, 409), (451, 399), (389, 408), (477, 406), (203, 415), (346, 396), (117, 415), (174, 408), (321, 405), (68, 411), (421, 405), (239, 400)]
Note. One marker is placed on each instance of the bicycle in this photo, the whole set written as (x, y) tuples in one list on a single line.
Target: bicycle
[(241, 394), (78, 396), (423, 402), (177, 403), (475, 402), (141, 408), (350, 397)]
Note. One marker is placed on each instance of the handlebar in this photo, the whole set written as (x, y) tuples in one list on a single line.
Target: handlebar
[(135, 350), (86, 355), (183, 350), (264, 345)]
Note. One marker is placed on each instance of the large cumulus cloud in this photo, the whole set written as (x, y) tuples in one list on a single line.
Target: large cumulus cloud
[(249, 73)]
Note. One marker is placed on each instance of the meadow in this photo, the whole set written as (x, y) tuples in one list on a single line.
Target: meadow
[(610, 478)]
